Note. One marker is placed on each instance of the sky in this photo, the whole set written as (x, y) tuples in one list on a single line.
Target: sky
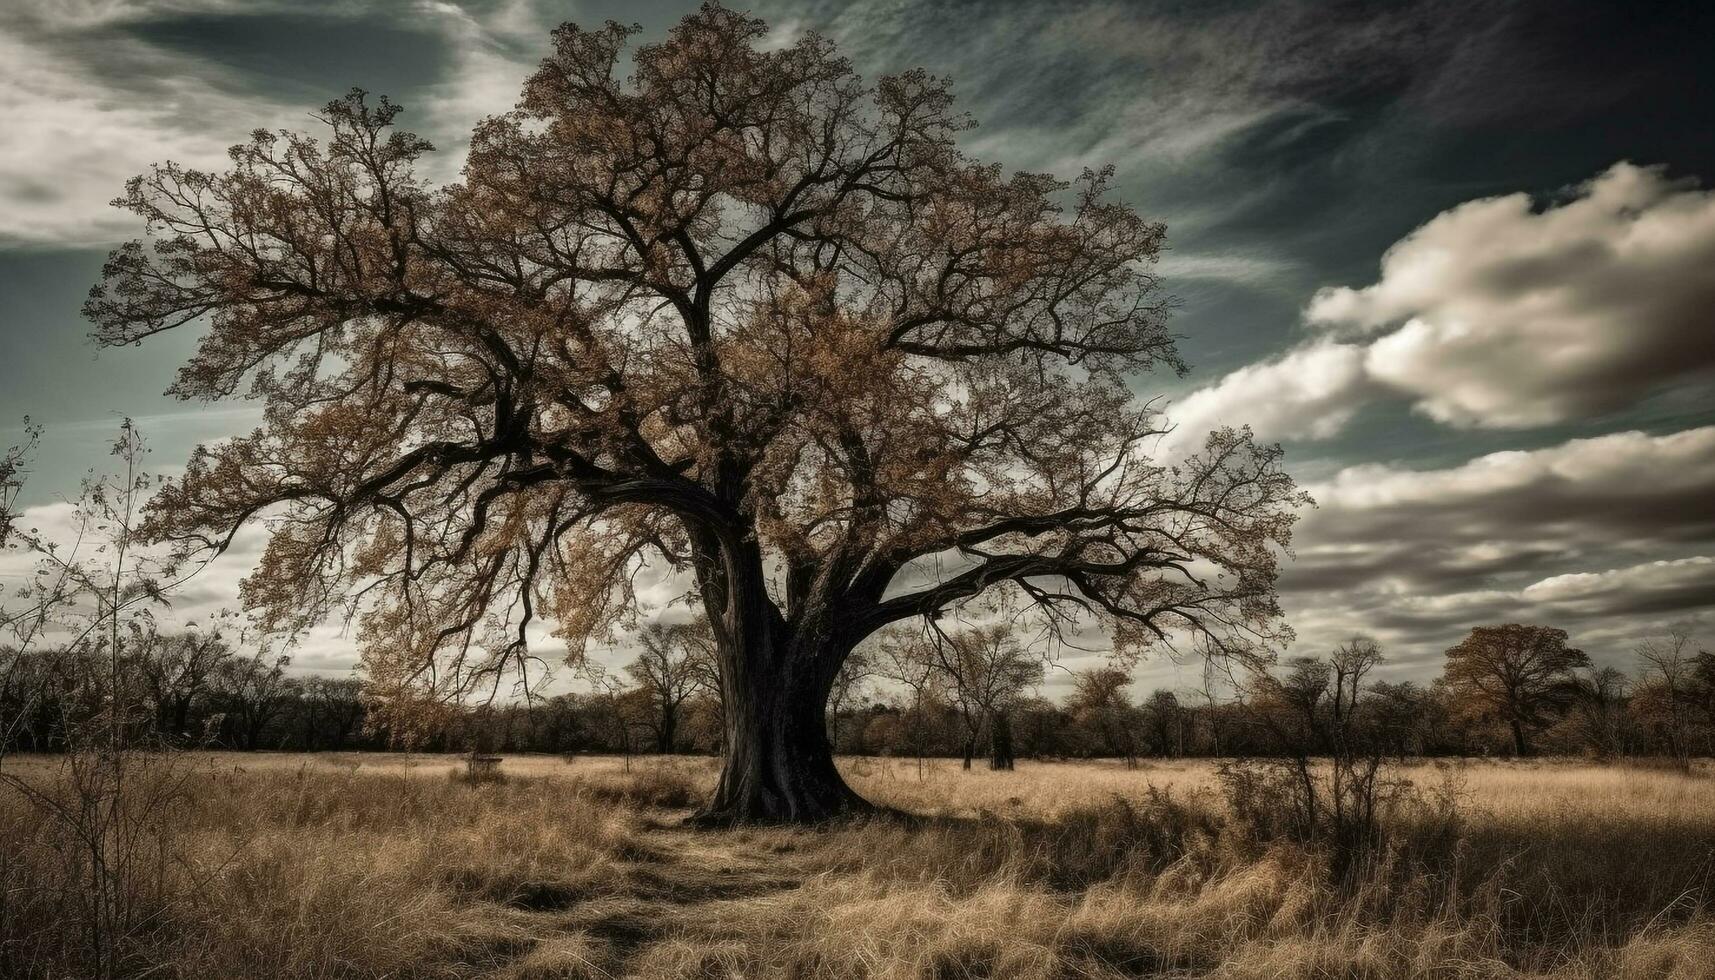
[(1458, 257)]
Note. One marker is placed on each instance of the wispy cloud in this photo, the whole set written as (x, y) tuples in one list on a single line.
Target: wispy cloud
[(88, 98), (73, 139)]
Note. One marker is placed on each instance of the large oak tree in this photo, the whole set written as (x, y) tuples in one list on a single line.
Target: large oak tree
[(739, 313)]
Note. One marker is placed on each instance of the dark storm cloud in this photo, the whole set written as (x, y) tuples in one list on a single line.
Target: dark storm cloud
[(1188, 96), (300, 55)]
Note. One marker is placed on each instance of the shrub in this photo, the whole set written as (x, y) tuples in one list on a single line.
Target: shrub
[(1342, 806)]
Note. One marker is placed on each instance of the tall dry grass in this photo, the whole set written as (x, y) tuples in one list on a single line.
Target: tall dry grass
[(369, 866)]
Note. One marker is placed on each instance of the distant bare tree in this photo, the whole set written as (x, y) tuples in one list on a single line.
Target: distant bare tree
[(848, 686), (1303, 691), (980, 670), (610, 692), (1670, 668), (1400, 714), (252, 691), (339, 701), (177, 670), (1703, 695), (1212, 708), (906, 658), (668, 673), (1602, 707), (1351, 662), (1165, 718)]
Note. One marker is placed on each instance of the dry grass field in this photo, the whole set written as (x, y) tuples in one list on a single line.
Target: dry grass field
[(381, 865)]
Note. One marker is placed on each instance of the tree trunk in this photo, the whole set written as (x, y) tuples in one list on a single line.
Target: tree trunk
[(1000, 742), (779, 767), (775, 684), (181, 719), (1520, 747), (779, 764), (669, 734)]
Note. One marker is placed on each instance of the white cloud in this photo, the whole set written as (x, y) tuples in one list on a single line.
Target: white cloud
[(74, 134), (72, 141), (1656, 586), (1508, 316), (1308, 393), (192, 600), (1498, 315), (1547, 484)]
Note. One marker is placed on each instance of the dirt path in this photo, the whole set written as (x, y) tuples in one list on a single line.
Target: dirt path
[(665, 892)]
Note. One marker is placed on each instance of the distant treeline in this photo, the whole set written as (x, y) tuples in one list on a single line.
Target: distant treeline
[(1534, 696)]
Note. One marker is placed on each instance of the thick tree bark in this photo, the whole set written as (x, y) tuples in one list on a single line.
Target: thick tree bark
[(779, 766), (1521, 748), (775, 682)]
